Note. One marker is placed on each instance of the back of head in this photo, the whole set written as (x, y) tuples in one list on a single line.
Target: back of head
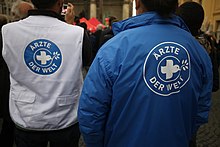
[(193, 15), (99, 27), (163, 7), (20, 9), (112, 19), (43, 4), (3, 20)]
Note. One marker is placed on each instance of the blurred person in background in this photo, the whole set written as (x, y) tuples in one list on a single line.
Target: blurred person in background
[(148, 86), (193, 15), (20, 9), (107, 33), (70, 14), (97, 38), (45, 75)]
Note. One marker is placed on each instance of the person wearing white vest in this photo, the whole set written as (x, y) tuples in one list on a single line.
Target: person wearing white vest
[(45, 56)]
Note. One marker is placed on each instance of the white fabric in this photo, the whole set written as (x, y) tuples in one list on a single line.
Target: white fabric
[(46, 101)]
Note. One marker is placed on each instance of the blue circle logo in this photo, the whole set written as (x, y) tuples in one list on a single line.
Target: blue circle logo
[(42, 57), (170, 70)]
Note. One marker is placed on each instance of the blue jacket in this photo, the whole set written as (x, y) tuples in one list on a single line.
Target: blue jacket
[(149, 86)]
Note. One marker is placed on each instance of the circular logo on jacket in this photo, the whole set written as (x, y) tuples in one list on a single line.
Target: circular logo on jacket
[(167, 68), (42, 57)]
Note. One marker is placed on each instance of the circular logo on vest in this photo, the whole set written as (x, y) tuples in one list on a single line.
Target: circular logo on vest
[(42, 57), (167, 68)]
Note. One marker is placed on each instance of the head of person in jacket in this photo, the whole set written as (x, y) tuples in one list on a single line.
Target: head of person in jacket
[(54, 5), (193, 15), (163, 7)]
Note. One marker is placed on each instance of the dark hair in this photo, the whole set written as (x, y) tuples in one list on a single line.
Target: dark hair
[(3, 20), (43, 4), (193, 15), (163, 7), (112, 19)]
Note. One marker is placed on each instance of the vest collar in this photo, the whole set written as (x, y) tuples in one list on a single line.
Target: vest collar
[(45, 13)]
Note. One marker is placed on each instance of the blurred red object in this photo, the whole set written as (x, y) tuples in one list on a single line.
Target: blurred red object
[(94, 21), (90, 27)]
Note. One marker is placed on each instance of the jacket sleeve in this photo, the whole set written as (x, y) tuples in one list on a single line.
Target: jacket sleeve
[(204, 101), (94, 104)]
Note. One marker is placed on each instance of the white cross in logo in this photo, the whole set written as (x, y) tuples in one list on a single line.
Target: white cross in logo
[(43, 57), (169, 69)]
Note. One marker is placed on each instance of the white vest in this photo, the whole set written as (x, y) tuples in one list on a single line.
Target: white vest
[(44, 57)]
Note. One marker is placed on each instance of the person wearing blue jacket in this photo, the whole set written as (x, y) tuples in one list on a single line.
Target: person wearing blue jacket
[(148, 86)]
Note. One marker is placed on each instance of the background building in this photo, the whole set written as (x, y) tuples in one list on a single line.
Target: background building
[(5, 6), (101, 9)]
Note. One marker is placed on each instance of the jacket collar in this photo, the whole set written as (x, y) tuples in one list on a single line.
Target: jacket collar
[(147, 18), (45, 13)]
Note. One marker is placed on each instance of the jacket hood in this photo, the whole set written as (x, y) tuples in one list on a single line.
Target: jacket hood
[(147, 18)]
